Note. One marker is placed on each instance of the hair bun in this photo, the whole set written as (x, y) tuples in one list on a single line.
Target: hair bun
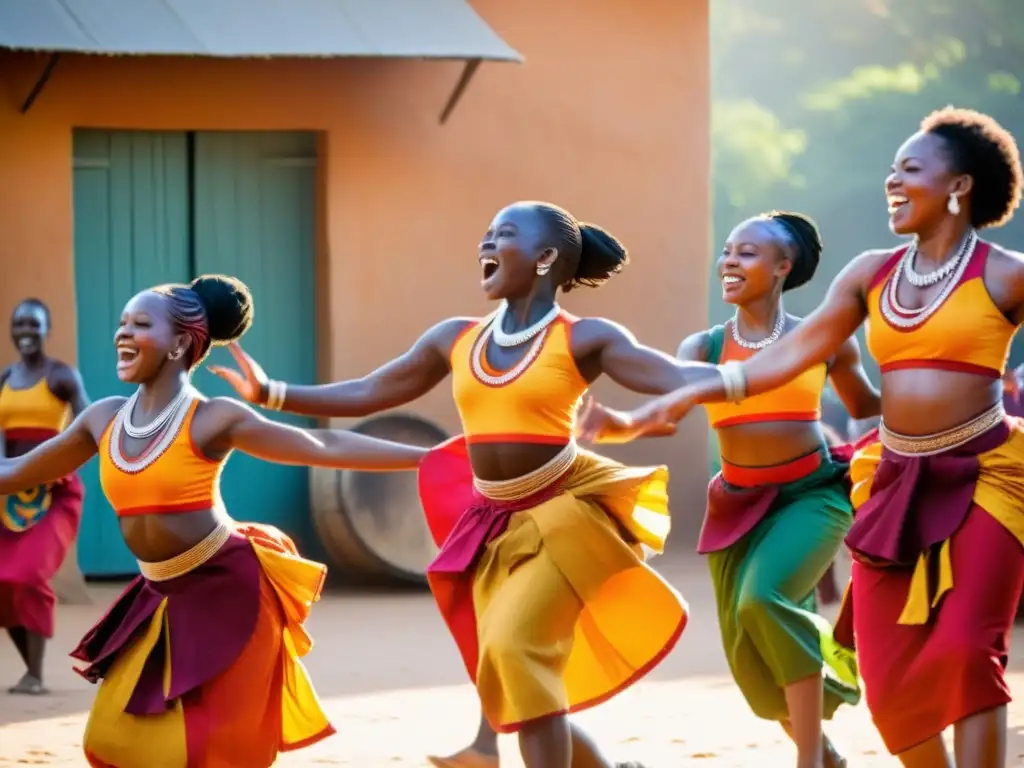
[(601, 256), (228, 305)]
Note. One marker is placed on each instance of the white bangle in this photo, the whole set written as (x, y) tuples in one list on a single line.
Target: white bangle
[(734, 382), (276, 391)]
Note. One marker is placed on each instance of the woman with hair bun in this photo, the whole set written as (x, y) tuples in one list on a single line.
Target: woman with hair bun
[(542, 577), (779, 508), (199, 657), (938, 488)]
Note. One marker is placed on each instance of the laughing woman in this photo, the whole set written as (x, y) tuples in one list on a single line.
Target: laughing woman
[(38, 397), (937, 540), (541, 578), (199, 657), (779, 509)]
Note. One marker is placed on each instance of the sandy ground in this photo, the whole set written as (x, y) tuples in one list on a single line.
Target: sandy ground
[(392, 681)]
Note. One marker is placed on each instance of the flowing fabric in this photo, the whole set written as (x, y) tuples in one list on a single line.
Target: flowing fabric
[(548, 598), (768, 546), (937, 578), (204, 669), (32, 555)]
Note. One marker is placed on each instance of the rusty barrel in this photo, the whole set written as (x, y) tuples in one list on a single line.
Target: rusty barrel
[(371, 524)]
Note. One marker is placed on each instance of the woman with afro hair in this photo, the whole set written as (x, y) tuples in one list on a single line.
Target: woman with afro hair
[(938, 487)]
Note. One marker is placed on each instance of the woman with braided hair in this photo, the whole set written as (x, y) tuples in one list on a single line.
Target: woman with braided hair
[(200, 655), (779, 508), (938, 488)]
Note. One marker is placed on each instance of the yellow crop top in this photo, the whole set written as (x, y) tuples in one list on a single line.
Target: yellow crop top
[(797, 400), (967, 333), (180, 480), (533, 402), (32, 413)]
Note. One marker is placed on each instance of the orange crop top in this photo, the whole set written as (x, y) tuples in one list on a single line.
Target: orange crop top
[(797, 400), (180, 480), (967, 333), (533, 402), (34, 413)]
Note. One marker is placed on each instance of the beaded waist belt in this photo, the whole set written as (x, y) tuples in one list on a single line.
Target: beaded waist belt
[(530, 483), (189, 560), (927, 445)]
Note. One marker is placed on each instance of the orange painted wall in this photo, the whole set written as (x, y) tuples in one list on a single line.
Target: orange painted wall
[(608, 116)]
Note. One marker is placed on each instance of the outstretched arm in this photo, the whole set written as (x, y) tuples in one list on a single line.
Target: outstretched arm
[(604, 347), (59, 456), (601, 424), (817, 339), (400, 381), (851, 382), (240, 427)]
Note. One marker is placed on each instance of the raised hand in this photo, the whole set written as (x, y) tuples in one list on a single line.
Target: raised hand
[(249, 381)]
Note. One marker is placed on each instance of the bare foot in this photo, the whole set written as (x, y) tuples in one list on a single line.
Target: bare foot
[(29, 685), (466, 758)]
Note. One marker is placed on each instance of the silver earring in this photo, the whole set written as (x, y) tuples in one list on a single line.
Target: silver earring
[(176, 355), (542, 269), (953, 205)]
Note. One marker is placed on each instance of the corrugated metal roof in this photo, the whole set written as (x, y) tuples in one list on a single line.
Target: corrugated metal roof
[(444, 29)]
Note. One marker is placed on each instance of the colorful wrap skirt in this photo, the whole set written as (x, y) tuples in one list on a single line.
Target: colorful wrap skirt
[(937, 575), (37, 528), (770, 534), (199, 658), (547, 595)]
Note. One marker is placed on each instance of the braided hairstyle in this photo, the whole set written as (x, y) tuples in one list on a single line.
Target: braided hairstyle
[(211, 310), (800, 241), (591, 254), (981, 148)]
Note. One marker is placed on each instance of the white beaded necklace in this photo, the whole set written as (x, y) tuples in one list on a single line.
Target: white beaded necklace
[(503, 339), (901, 316), (479, 352), (780, 325), (159, 446), (920, 280), (159, 421)]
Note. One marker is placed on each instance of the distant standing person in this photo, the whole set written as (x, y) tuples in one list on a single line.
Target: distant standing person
[(38, 396)]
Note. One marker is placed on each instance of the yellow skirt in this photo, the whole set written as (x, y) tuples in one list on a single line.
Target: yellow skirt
[(553, 607)]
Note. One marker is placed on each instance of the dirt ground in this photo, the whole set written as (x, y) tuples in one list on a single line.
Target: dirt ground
[(392, 681)]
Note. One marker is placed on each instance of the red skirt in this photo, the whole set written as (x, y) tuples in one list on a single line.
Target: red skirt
[(30, 558), (920, 679)]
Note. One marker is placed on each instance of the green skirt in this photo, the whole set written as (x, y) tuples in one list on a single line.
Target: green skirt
[(764, 591)]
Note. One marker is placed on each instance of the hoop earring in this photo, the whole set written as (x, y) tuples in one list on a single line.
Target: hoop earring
[(953, 204)]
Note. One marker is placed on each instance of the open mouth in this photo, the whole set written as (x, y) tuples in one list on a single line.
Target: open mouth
[(489, 264), (729, 281), (28, 343), (126, 356), (895, 202)]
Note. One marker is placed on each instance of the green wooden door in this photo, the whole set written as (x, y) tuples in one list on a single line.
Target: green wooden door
[(131, 231), (158, 207), (255, 208)]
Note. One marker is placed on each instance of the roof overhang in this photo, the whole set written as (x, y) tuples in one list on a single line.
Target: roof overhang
[(408, 29)]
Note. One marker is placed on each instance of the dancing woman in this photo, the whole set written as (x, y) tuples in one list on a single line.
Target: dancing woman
[(779, 509), (38, 395), (542, 580), (200, 655), (938, 488)]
